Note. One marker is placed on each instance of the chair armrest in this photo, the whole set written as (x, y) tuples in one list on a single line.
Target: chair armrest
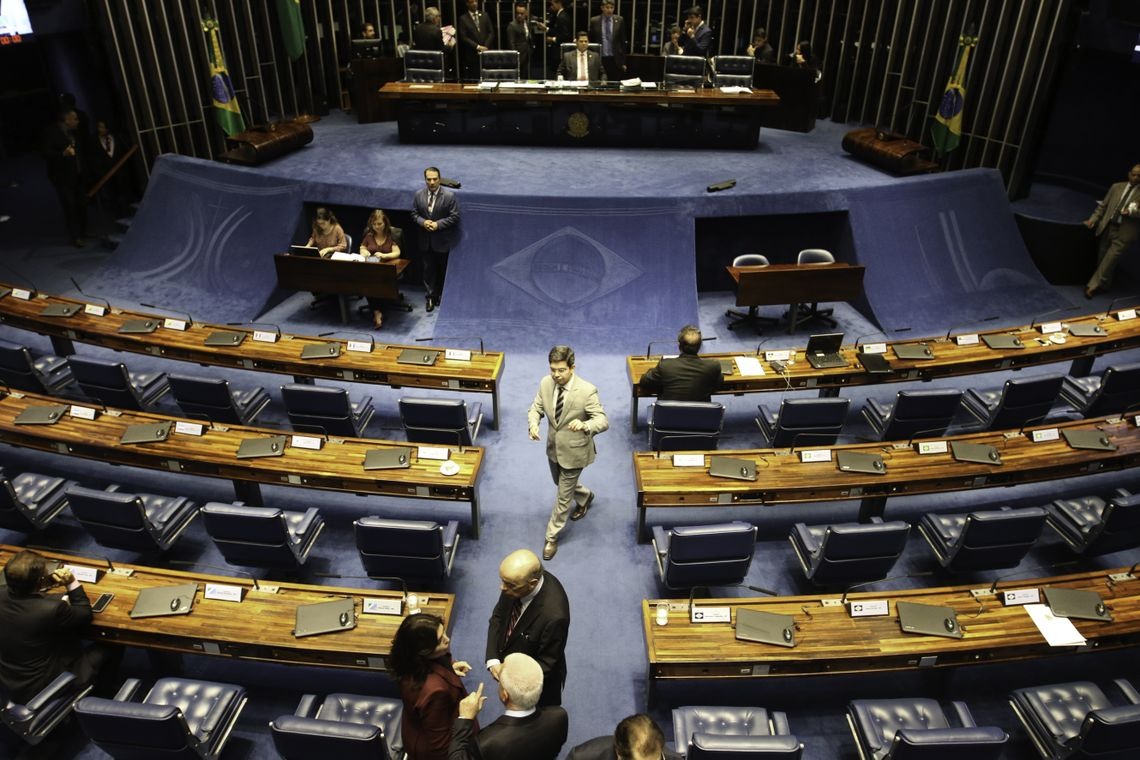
[(306, 522), (963, 713), (974, 735), (778, 724), (450, 533), (128, 690), (307, 707), (660, 541), (785, 744), (1122, 493), (876, 521), (54, 689), (1128, 690), (112, 488)]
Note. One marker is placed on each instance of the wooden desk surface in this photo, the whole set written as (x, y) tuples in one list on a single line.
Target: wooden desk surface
[(258, 628), (335, 467), (481, 374), (468, 92), (829, 641)]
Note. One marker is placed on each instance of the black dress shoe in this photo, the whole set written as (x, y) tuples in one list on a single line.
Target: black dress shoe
[(583, 508), (430, 305)]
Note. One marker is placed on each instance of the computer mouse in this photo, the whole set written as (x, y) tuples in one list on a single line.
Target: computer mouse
[(150, 323), (161, 433), (1100, 609), (787, 634), (744, 470), (343, 619), (950, 624), (403, 458), (273, 446), (1104, 440), (993, 456), (878, 464), (332, 350), (175, 604), (53, 414), (1017, 341)]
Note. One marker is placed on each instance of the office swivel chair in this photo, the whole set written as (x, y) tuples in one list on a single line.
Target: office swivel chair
[(813, 257), (423, 66), (732, 70), (44, 374), (736, 318), (498, 66)]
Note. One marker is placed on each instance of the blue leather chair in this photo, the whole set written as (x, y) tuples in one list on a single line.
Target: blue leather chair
[(324, 409), (847, 552), (704, 555), (498, 66), (406, 548), (684, 425), (111, 384), (1113, 392), (732, 70), (922, 414), (179, 719), (1076, 720), (725, 733), (445, 421), (32, 722), (423, 66), (344, 727), (919, 729), (29, 501), (20, 370), (686, 70), (804, 422), (1092, 526), (212, 398), (1021, 401), (262, 536), (990, 539), (140, 522)]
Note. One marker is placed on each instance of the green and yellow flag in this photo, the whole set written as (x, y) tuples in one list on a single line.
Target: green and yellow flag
[(226, 107), (946, 132), (292, 28)]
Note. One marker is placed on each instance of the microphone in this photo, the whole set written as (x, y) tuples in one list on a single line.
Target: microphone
[(807, 434), (757, 589), (849, 589), (675, 436), (106, 303), (192, 563), (653, 343), (22, 277), (896, 330), (1039, 317), (939, 431), (452, 337), (110, 567), (362, 337), (955, 327), (187, 318), (401, 581), (762, 343), (1114, 301), (993, 586), (1027, 423)]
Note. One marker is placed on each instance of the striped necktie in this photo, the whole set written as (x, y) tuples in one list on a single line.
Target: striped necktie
[(558, 405), (516, 613)]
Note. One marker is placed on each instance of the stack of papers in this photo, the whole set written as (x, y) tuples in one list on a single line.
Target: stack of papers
[(736, 90), (1058, 631), (749, 366)]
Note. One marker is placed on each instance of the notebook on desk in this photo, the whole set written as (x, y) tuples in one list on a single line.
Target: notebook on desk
[(875, 364), (913, 351), (41, 415), (60, 310), (1093, 440), (1074, 603), (146, 432), (252, 448), (730, 467), (1085, 330), (387, 459), (765, 627), (1003, 341), (325, 617), (423, 356), (726, 366), (823, 351), (138, 326), (224, 338), (928, 619), (321, 351), (980, 453), (857, 461), (305, 250), (165, 600)]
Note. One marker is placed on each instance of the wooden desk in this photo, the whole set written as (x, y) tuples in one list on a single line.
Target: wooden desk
[(783, 479), (480, 374), (377, 279), (829, 641), (338, 466), (950, 360), (461, 113), (258, 628), (793, 284)]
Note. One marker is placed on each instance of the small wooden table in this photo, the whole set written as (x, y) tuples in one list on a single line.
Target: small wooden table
[(377, 279), (794, 285)]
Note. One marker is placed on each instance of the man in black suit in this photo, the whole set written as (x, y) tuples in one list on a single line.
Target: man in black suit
[(435, 212), (686, 377), (63, 149), (635, 738), (475, 36), (523, 732), (560, 29), (520, 37), (40, 635), (608, 30), (532, 616), (582, 64), (428, 34)]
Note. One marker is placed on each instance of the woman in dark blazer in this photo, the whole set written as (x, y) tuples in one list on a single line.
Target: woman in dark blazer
[(430, 685)]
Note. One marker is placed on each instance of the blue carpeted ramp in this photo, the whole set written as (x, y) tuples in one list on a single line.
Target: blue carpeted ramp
[(612, 275), (203, 240), (944, 251)]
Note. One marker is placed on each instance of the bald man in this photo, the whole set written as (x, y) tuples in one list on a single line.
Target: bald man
[(532, 616)]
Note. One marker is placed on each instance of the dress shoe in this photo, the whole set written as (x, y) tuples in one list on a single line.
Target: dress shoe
[(583, 508), (549, 550), (1090, 292), (430, 305)]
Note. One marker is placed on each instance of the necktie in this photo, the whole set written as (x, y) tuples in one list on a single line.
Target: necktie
[(516, 613), (1123, 203), (107, 144), (607, 31), (558, 405), (583, 74), (431, 202)]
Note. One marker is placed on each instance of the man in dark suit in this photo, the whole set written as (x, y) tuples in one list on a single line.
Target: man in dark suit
[(696, 38), (687, 377), (608, 30), (62, 148), (41, 635), (524, 731), (637, 737), (761, 49), (435, 212), (532, 616), (475, 36), (520, 37), (581, 61), (428, 34), (560, 30), (1116, 223)]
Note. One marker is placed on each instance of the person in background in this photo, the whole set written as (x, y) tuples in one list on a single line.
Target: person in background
[(378, 241), (608, 30), (673, 45), (401, 44), (637, 737), (685, 377), (63, 149), (560, 30), (475, 36), (1116, 223), (697, 36), (106, 151), (582, 64), (760, 49), (435, 211), (327, 234), (368, 31), (521, 37), (804, 58)]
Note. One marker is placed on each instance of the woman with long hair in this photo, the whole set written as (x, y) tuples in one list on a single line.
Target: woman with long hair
[(327, 234), (378, 241)]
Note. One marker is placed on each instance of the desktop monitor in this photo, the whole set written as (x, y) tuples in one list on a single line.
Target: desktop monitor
[(367, 48)]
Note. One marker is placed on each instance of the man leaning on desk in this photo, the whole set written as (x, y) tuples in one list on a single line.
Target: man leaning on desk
[(582, 64), (686, 377)]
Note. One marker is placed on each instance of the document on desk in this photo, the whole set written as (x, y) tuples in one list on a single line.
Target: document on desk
[(749, 366), (342, 256), (734, 90), (1058, 631)]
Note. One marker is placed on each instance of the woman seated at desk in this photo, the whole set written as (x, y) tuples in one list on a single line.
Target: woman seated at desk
[(327, 235), (379, 243)]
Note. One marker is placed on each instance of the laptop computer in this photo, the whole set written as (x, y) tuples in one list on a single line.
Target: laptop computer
[(1085, 330), (422, 356), (305, 250), (161, 601), (875, 364), (1074, 603), (980, 453), (41, 415), (857, 461), (60, 310), (765, 627), (138, 326), (3, 292), (730, 467), (823, 351), (146, 432), (913, 351), (224, 338), (321, 351), (387, 459), (1003, 341), (1095, 440), (252, 448), (928, 619), (726, 366), (325, 617)]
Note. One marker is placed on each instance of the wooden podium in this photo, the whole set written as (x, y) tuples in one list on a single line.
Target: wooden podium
[(889, 150), (265, 142)]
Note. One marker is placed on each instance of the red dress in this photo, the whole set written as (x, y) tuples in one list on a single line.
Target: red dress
[(430, 710)]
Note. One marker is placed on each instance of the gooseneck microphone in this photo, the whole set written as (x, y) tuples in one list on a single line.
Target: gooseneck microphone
[(455, 337), (955, 327), (1039, 317), (192, 563), (106, 303), (851, 588)]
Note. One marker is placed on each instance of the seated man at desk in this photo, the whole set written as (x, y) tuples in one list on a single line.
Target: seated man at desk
[(582, 64), (685, 377)]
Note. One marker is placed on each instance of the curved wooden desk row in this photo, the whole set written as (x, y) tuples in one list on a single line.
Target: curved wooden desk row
[(781, 478), (949, 360), (258, 628), (337, 466), (479, 374), (830, 641)]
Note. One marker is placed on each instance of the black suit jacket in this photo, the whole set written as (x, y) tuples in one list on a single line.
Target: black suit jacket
[(427, 37), (538, 736), (63, 171), (39, 639), (470, 36), (561, 28), (602, 748), (541, 632), (684, 378), (618, 34)]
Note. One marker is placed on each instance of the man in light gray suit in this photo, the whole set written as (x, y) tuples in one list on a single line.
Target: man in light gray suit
[(574, 415), (1116, 223), (582, 59)]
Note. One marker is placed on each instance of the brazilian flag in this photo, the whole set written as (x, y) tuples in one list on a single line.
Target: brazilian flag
[(292, 29), (226, 107), (946, 132)]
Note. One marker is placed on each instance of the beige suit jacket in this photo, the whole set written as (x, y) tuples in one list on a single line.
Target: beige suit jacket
[(571, 449), (1107, 207)]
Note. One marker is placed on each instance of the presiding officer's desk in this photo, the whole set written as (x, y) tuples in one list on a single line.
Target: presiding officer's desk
[(513, 115), (830, 641), (260, 627), (478, 374), (337, 466), (781, 478), (950, 359)]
